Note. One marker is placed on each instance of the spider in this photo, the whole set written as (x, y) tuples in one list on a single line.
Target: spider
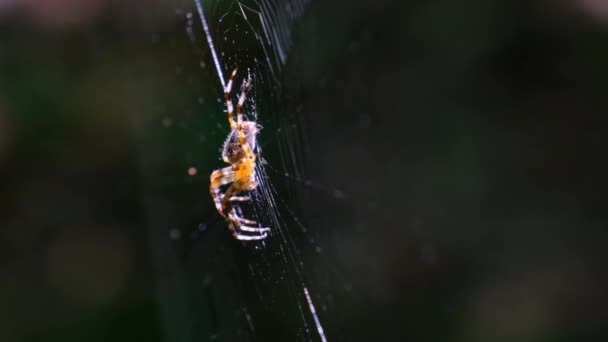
[(237, 151)]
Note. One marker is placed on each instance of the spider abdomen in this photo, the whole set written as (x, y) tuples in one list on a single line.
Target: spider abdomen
[(233, 151)]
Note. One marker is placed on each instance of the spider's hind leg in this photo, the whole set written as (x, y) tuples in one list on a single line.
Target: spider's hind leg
[(235, 224), (248, 237), (235, 227), (240, 198)]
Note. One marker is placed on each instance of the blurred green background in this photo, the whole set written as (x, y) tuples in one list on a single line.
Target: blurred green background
[(436, 169)]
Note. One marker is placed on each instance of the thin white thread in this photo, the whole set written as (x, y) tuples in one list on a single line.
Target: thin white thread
[(314, 315), (216, 60), (282, 56)]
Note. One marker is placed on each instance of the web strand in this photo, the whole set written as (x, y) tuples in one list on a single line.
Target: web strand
[(275, 22), (216, 61)]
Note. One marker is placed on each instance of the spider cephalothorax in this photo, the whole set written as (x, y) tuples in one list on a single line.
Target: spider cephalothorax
[(239, 152)]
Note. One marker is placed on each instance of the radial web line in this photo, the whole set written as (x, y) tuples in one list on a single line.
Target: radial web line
[(216, 61), (311, 306), (279, 39), (267, 190)]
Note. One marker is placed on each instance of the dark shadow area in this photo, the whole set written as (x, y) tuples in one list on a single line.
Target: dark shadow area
[(430, 171)]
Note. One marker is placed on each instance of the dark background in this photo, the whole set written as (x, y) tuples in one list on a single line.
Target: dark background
[(437, 169)]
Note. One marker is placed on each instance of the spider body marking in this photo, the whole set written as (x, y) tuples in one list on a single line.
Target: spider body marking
[(238, 152)]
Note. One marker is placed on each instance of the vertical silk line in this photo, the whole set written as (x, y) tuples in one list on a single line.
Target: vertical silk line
[(216, 60), (279, 42), (314, 315)]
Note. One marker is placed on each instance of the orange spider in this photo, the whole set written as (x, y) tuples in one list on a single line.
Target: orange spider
[(237, 151)]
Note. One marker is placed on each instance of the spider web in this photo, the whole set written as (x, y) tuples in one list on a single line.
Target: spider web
[(275, 294)]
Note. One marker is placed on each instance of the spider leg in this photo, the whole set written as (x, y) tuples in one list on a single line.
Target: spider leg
[(239, 120), (219, 178), (244, 220), (239, 185), (229, 100), (239, 198), (234, 224), (236, 220), (240, 220), (223, 204), (223, 173), (254, 229), (248, 237)]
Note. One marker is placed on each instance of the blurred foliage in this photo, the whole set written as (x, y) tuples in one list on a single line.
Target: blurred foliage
[(437, 166)]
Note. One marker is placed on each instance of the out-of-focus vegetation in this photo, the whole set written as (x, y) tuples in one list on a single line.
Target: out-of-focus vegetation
[(463, 143)]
